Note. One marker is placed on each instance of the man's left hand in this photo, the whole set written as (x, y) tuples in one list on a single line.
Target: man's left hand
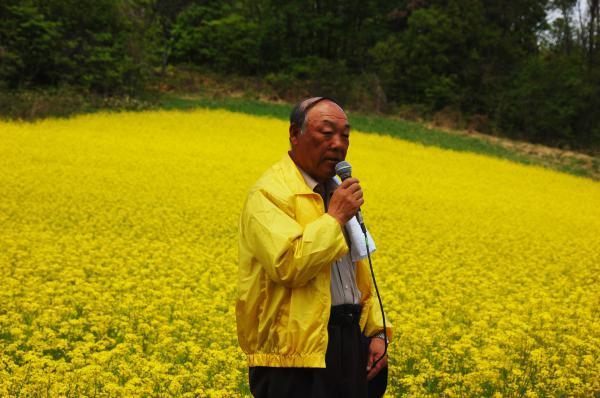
[(376, 349)]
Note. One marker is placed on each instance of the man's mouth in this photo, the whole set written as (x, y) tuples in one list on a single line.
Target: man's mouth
[(336, 160)]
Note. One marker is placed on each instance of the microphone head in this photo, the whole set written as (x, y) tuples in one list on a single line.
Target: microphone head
[(343, 170)]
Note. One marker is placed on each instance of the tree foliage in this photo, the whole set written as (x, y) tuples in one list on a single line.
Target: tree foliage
[(82, 43), (529, 67)]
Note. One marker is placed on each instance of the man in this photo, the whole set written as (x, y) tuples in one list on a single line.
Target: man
[(305, 303)]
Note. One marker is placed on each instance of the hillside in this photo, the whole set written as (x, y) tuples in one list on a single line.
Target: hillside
[(425, 133)]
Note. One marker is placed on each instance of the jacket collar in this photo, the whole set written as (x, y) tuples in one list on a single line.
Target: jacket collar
[(293, 176)]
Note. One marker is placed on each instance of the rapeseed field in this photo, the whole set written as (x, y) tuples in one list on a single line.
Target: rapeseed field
[(118, 260)]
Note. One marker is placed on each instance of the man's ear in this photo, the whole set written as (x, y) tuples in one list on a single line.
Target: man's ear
[(294, 133)]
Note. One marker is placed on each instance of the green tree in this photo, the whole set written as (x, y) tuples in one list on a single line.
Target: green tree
[(215, 36), (28, 46)]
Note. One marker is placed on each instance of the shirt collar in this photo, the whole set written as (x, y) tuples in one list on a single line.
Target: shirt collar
[(312, 183), (332, 184)]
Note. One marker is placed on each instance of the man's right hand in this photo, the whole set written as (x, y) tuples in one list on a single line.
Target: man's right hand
[(346, 200)]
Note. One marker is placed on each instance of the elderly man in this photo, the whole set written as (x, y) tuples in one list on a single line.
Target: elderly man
[(307, 316)]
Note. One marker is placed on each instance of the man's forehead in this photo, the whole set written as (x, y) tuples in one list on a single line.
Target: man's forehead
[(327, 111), (333, 122)]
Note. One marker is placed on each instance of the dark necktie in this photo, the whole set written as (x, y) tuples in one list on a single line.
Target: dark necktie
[(322, 190)]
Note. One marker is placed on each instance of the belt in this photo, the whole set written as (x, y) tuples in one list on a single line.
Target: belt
[(344, 314)]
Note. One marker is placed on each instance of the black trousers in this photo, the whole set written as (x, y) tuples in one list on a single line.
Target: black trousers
[(345, 375)]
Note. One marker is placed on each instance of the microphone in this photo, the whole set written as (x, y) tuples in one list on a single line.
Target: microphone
[(344, 170)]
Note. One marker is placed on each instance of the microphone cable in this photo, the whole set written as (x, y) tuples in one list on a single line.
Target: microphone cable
[(378, 298)]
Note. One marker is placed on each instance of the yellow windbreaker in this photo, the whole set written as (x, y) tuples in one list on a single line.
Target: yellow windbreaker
[(286, 246)]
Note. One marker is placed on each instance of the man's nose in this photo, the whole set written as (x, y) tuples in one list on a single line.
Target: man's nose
[(338, 142)]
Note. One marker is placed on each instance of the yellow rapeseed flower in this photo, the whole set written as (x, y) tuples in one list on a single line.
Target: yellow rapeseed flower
[(118, 260)]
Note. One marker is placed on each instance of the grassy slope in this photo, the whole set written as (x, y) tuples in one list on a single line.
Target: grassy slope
[(405, 130)]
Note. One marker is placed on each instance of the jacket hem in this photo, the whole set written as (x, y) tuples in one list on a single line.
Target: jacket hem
[(287, 361)]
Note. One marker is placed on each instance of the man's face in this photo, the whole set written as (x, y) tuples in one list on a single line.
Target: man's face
[(324, 142)]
